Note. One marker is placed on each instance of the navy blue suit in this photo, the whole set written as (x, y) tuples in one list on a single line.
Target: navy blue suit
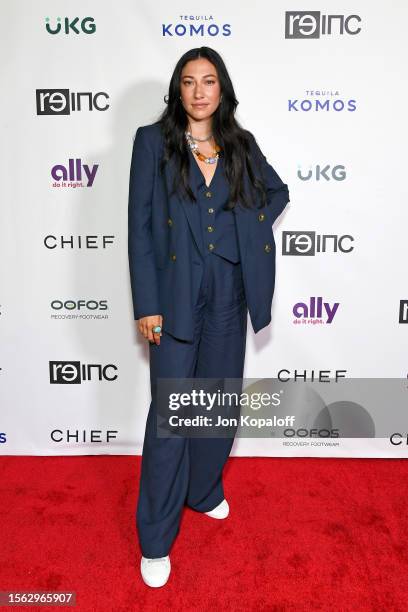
[(165, 241), (188, 265)]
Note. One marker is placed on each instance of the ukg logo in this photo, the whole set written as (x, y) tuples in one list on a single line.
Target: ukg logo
[(66, 25), (319, 173)]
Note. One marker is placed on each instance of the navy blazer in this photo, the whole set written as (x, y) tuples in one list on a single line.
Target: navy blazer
[(164, 240)]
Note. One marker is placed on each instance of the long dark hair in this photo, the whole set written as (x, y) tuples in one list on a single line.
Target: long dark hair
[(232, 138)]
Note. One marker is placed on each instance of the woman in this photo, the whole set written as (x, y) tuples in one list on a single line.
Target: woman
[(202, 201)]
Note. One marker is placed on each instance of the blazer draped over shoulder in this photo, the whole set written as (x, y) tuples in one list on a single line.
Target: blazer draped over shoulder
[(164, 245)]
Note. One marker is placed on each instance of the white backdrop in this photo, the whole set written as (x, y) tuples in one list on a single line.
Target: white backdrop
[(328, 112)]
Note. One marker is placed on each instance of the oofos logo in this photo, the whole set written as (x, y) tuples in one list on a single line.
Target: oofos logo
[(311, 433), (79, 304)]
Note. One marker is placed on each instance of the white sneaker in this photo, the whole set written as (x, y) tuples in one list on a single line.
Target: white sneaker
[(155, 572), (219, 512)]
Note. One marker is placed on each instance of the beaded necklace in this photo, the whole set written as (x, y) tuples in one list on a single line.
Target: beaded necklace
[(194, 147)]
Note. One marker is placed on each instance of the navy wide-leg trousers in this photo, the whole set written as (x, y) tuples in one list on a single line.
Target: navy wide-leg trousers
[(180, 470)]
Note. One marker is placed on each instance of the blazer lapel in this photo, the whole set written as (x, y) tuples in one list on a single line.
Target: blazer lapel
[(191, 209)]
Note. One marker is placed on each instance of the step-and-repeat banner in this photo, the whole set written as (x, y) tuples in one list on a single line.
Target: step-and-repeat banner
[(323, 89)]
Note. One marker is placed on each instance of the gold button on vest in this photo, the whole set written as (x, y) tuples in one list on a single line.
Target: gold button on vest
[(211, 246), (261, 217), (267, 248), (208, 194), (173, 256), (169, 222), (210, 228)]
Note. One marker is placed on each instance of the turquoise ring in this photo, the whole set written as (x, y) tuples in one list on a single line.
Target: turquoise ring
[(157, 329)]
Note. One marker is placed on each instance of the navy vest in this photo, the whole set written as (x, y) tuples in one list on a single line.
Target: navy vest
[(218, 226)]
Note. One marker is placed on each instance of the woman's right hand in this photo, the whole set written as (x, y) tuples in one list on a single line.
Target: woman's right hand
[(146, 325)]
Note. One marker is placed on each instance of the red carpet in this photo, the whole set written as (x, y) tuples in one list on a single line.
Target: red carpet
[(303, 534)]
